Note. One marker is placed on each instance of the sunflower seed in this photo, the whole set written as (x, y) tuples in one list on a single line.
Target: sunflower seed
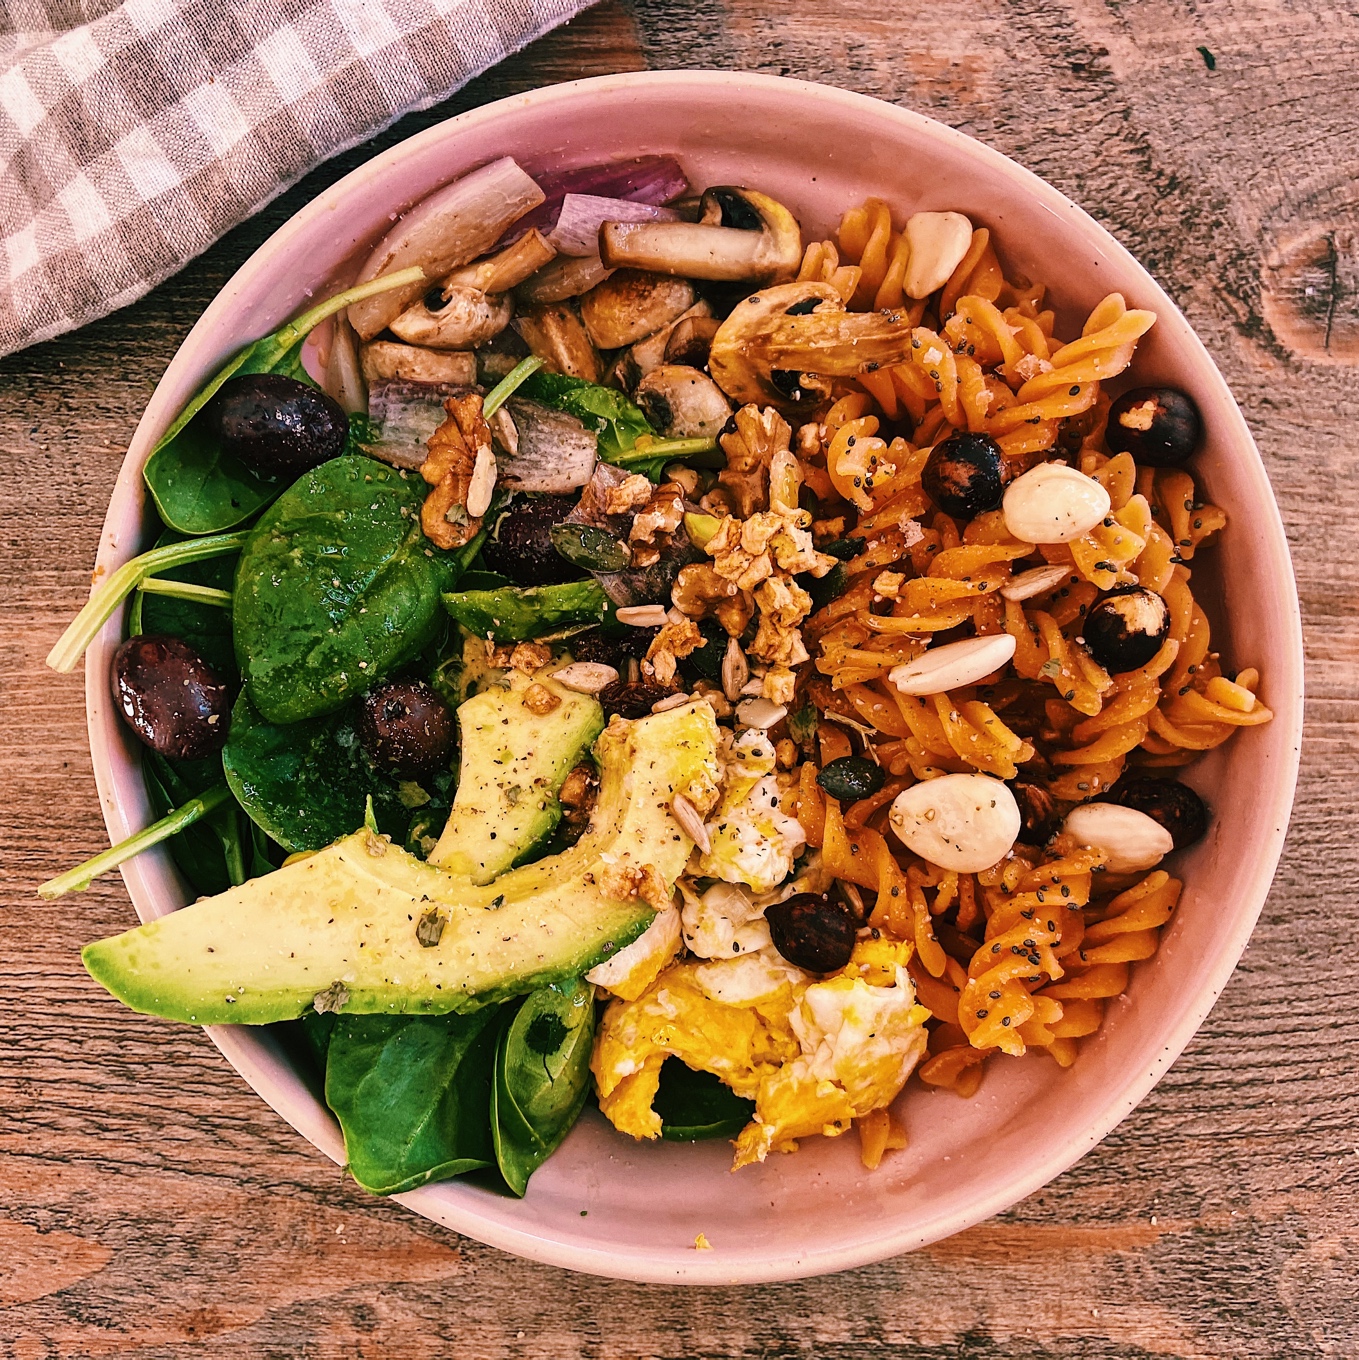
[(686, 814), (585, 677), (735, 670), (481, 486)]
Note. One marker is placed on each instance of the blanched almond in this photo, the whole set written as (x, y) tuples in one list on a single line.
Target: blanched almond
[(961, 822), (938, 242), (1131, 840), (953, 665), (643, 615), (1053, 503)]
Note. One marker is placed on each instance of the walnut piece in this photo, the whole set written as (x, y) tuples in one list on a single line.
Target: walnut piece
[(750, 449), (627, 496), (539, 699), (453, 451), (531, 657), (655, 522), (622, 882), (675, 640)]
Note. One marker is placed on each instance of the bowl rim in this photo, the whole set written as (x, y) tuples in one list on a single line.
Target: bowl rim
[(264, 1067)]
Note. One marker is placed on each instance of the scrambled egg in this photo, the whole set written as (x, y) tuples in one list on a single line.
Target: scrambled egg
[(812, 1055), (636, 966), (722, 922), (753, 840)]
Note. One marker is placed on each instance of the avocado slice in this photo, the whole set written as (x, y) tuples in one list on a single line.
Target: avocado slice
[(513, 763), (363, 927)]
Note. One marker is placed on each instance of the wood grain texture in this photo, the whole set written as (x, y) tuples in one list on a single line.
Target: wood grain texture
[(151, 1206)]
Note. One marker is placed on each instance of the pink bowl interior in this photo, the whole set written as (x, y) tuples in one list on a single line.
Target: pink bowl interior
[(606, 1205)]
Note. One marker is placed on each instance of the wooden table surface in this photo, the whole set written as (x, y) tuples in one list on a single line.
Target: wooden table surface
[(152, 1206)]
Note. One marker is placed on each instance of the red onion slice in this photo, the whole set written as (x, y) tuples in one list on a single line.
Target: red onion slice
[(577, 229), (647, 179)]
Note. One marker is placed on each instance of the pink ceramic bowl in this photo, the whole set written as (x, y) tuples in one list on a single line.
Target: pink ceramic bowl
[(603, 1203)]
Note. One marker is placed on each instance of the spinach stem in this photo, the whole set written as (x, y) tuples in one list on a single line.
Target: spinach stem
[(647, 447), (186, 590), (80, 878), (84, 628), (505, 388), (309, 320)]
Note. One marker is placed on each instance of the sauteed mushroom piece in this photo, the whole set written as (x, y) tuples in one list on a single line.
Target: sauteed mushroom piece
[(683, 403), (384, 360), (741, 236), (554, 334), (778, 346), (456, 317), (631, 305)]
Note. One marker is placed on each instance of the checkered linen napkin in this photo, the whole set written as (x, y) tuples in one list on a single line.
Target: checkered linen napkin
[(133, 135)]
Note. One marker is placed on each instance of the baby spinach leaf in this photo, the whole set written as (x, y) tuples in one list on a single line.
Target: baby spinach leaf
[(617, 421), (198, 488), (413, 1095), (306, 784), (337, 587), (542, 1077), (694, 1105), (514, 613)]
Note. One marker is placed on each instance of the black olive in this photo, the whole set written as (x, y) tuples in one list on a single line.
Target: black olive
[(1159, 426), (630, 700), (965, 475), (1126, 628), (812, 932), (1175, 806), (520, 544), (170, 697), (705, 662), (277, 426), (851, 778), (407, 729), (1037, 811), (612, 649)]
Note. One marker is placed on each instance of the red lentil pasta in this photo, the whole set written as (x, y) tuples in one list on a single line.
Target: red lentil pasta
[(1023, 955)]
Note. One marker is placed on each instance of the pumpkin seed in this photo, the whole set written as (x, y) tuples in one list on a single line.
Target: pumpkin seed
[(851, 778)]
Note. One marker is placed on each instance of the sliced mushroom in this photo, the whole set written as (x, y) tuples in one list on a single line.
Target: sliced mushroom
[(691, 340), (780, 346), (742, 236), (344, 376), (384, 360), (682, 403), (555, 335), (650, 352), (630, 305), (451, 226), (565, 277), (554, 452), (508, 268), (461, 318)]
